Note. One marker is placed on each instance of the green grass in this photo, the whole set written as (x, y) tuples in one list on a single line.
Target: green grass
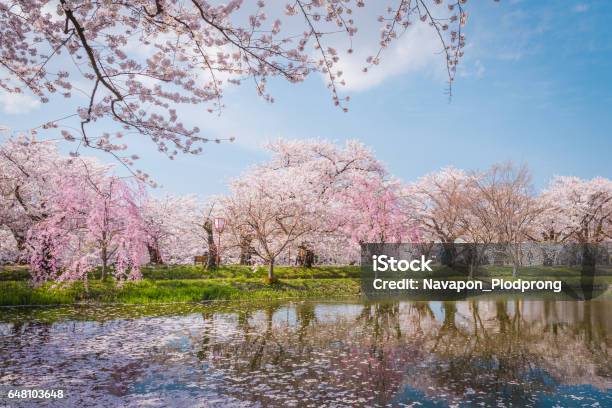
[(173, 272), (184, 283), (147, 291), (166, 272), (193, 283), (243, 271)]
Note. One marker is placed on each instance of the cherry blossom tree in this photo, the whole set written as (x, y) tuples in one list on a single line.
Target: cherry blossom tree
[(173, 227), (137, 61), (436, 203), (114, 222), (94, 220), (29, 169), (68, 215), (509, 207), (206, 226), (331, 192), (336, 248), (435, 200), (577, 210), (330, 167), (478, 225), (275, 208), (371, 210), (330, 172)]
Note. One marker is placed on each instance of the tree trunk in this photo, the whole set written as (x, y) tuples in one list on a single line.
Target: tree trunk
[(305, 257), (271, 277), (104, 262), (21, 239), (245, 257), (309, 258), (470, 256), (211, 261), (515, 257), (155, 255), (45, 268), (450, 311), (245, 250), (587, 275), (449, 253), (212, 248)]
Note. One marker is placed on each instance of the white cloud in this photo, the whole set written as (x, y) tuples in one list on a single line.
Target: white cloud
[(15, 104), (475, 69), (581, 8), (419, 49)]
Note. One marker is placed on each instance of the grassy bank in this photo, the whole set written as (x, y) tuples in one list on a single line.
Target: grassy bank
[(184, 283), (173, 272), (166, 272), (178, 290), (190, 283)]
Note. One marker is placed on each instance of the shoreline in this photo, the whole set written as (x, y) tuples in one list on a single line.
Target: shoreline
[(183, 284)]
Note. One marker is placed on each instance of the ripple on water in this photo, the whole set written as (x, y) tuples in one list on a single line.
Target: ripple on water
[(493, 353)]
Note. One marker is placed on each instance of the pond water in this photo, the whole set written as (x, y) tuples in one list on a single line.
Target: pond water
[(314, 354)]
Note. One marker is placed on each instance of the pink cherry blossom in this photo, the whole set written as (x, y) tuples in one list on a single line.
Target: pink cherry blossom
[(137, 61)]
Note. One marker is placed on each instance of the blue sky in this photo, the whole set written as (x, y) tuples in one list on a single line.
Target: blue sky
[(534, 87)]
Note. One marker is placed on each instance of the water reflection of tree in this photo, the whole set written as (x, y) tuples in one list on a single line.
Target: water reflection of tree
[(448, 334), (492, 360), (507, 356), (382, 319), (595, 337), (314, 354), (207, 333), (305, 314), (496, 351)]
